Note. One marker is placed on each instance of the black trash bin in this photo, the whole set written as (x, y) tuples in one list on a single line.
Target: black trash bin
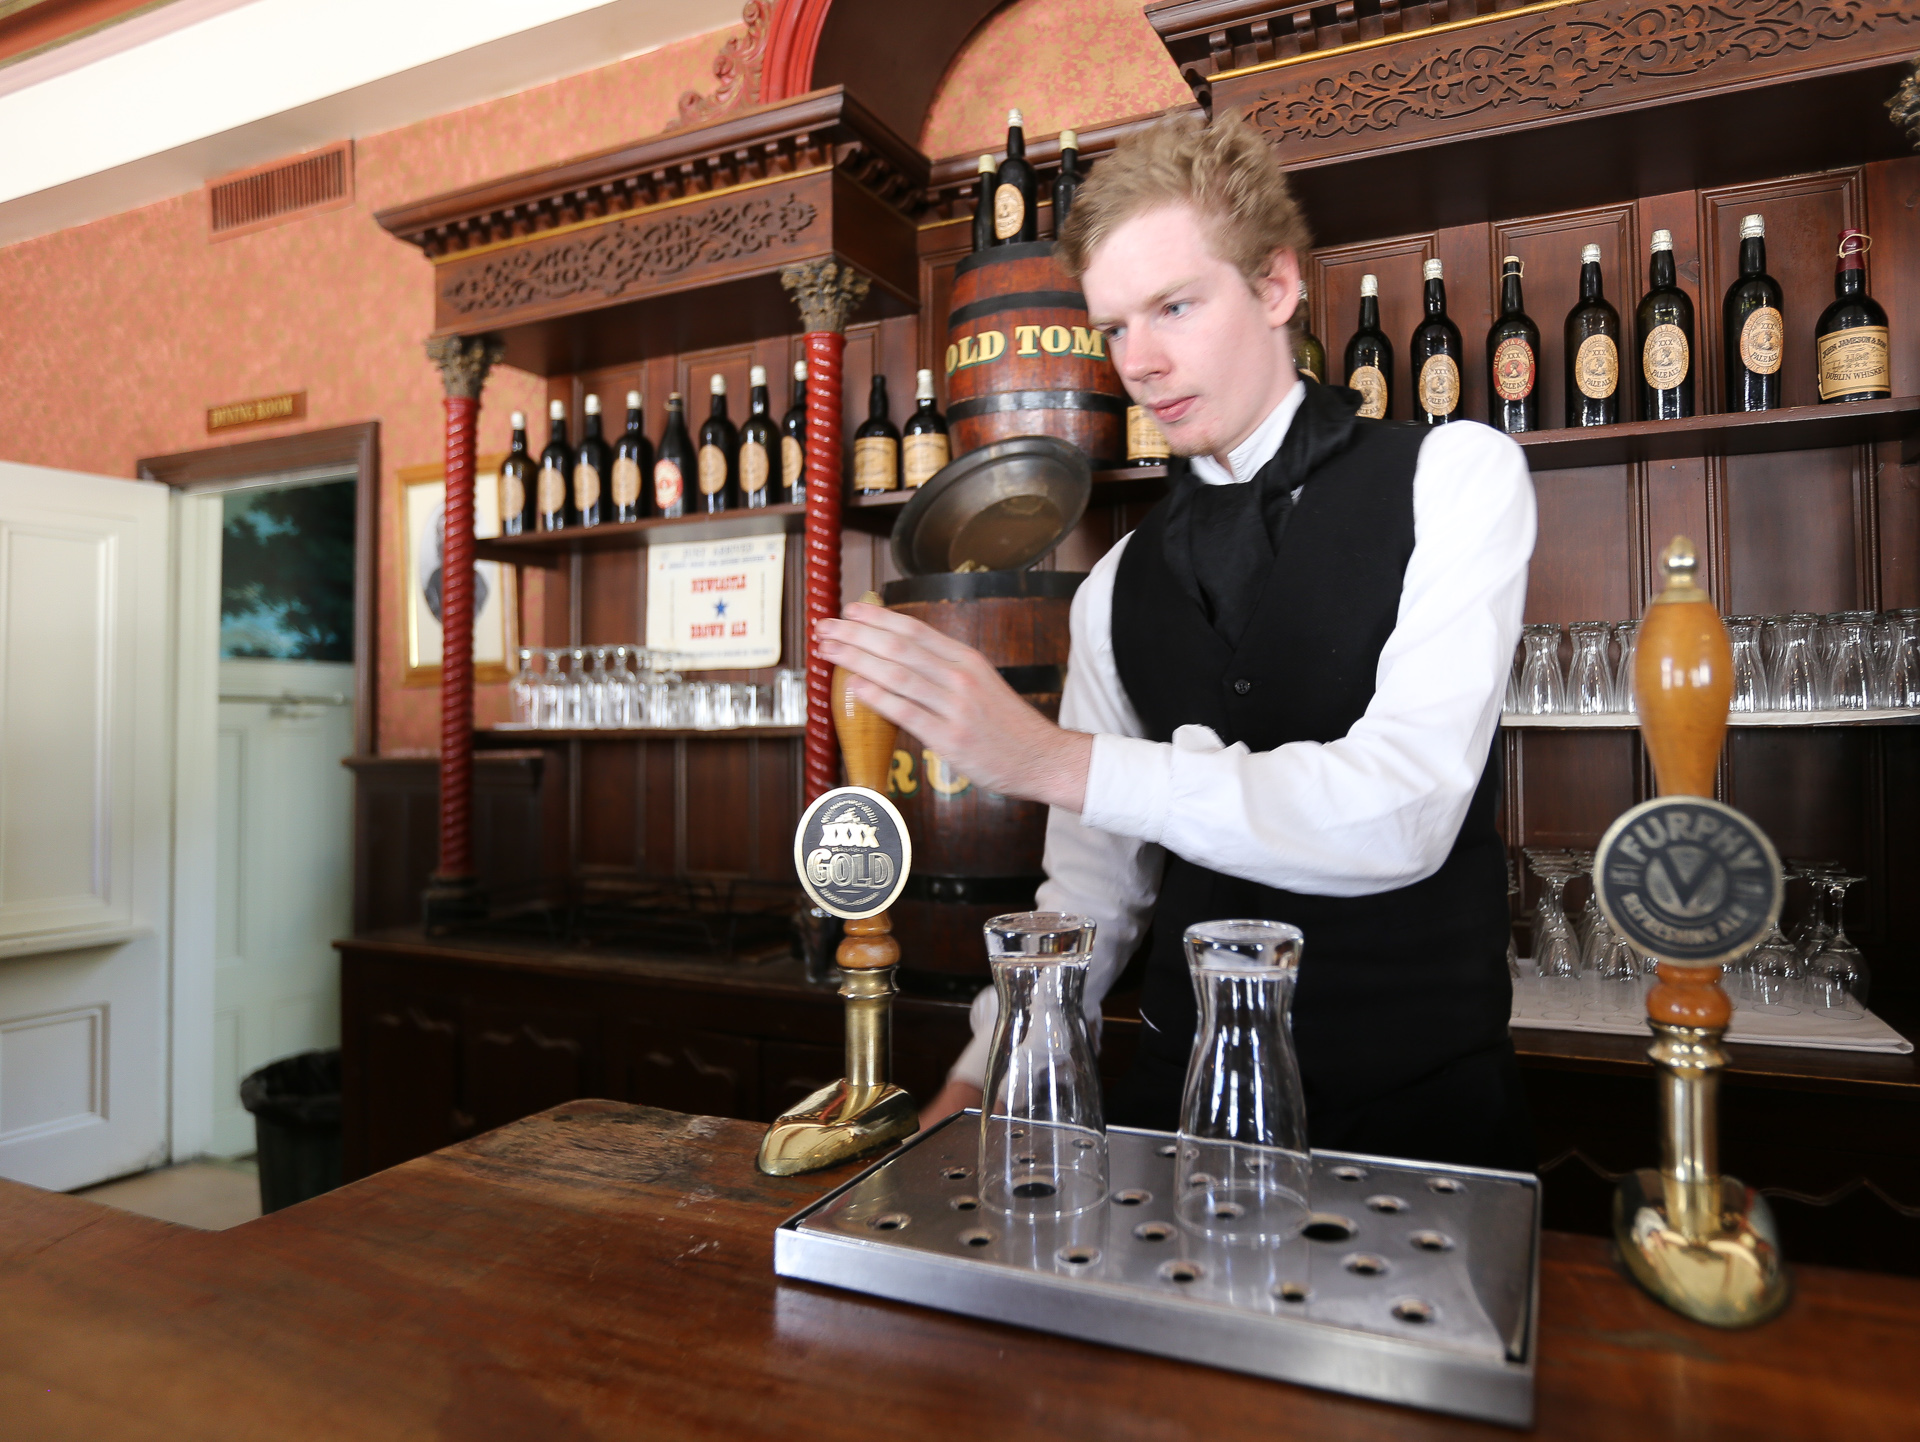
[(296, 1120)]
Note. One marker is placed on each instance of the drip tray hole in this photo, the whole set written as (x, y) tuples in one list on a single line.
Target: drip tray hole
[(890, 1221), (1153, 1231), (1385, 1203), (978, 1237), (1433, 1241), (1133, 1197), (1365, 1264), (1328, 1227), (1181, 1271), (1412, 1309), (965, 1204), (1295, 1292), (1078, 1256)]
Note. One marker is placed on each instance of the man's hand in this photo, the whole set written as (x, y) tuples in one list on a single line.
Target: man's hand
[(952, 698), (954, 1096)]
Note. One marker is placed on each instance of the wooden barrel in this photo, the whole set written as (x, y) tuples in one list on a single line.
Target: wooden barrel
[(1022, 360), (976, 853)]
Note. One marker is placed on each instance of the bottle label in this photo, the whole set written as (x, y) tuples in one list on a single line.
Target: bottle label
[(1307, 371), (1440, 385), (553, 490), (668, 485), (753, 467), (1373, 391), (793, 463), (876, 463), (1854, 360), (1665, 357), (922, 456), (1513, 369), (713, 470), (513, 494), (626, 482), (1145, 440), (1596, 367), (586, 487), (1009, 212), (1761, 341)]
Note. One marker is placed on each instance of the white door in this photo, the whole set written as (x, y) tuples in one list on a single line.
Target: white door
[(85, 662)]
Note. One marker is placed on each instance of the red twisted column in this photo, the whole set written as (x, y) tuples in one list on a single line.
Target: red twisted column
[(827, 292), (454, 891)]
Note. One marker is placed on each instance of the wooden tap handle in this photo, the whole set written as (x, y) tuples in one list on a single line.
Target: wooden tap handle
[(1683, 678), (866, 737)]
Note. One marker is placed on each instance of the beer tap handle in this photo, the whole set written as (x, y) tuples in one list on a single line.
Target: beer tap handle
[(1683, 678), (866, 742)]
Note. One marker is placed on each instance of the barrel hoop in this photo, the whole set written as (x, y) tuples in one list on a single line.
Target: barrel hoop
[(972, 890), (1003, 401), (1019, 300)]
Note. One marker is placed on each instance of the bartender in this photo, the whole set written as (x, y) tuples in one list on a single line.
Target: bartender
[(1284, 688)]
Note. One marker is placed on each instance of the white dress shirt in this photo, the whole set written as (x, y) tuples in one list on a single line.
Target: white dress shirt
[(1377, 809)]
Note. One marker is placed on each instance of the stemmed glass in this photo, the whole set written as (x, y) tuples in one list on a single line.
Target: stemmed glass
[(1813, 932), (1773, 972), (1542, 690), (1590, 686), (1837, 973), (1627, 634)]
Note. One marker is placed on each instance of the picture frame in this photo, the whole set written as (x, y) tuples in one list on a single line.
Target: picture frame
[(423, 502)]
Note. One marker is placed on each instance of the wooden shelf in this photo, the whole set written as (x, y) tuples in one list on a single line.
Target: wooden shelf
[(535, 736), (1752, 720), (1790, 428), (550, 548)]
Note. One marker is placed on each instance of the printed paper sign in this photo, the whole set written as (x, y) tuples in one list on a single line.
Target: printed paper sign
[(717, 603)]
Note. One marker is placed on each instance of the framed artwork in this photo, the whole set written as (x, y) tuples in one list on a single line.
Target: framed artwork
[(423, 510)]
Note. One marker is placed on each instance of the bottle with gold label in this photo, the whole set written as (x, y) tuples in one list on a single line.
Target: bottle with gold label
[(1593, 351), (793, 442), (1754, 327), (876, 446), (1513, 356), (1066, 185), (518, 478), (1370, 355), (719, 457), (592, 466), (1146, 442), (924, 448), (1435, 354), (1850, 342), (632, 464), (556, 465), (674, 467), (1016, 217), (983, 205), (759, 445), (1309, 356), (1665, 325)]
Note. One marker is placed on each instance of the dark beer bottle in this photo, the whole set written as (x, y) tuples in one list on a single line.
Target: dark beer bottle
[(1015, 214), (983, 206), (1665, 325), (1067, 183), (1513, 353), (1370, 355), (1753, 327), (674, 466), (924, 449), (632, 464), (759, 445), (719, 452), (876, 446), (1435, 354), (517, 480), (1850, 342), (592, 466), (1309, 356), (793, 442), (556, 465), (1593, 351)]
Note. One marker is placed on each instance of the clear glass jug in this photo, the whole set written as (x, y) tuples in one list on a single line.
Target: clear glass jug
[(1043, 1135), (1241, 1168)]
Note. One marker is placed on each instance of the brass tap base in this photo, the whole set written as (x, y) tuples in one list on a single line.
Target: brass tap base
[(836, 1124), (1736, 1278)]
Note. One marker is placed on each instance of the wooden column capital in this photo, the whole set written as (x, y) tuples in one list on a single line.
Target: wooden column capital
[(828, 291), (464, 362)]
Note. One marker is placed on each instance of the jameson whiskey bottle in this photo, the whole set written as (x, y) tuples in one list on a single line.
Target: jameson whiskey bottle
[(1015, 217), (591, 468), (1370, 355), (793, 442), (1850, 342), (876, 446), (1146, 442), (1754, 329), (719, 453), (924, 449), (983, 207), (1309, 356), (632, 463), (1066, 184), (1435, 354), (675, 463), (1593, 351), (556, 464), (517, 481), (1513, 354), (759, 445), (1665, 325)]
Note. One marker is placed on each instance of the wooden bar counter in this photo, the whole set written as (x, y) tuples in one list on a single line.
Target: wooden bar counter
[(605, 1270)]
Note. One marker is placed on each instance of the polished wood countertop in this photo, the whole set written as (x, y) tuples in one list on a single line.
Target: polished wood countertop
[(605, 1271)]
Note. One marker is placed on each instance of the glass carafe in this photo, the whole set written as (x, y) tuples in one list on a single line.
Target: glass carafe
[(1241, 1170), (1542, 691), (1043, 1136), (1589, 678), (1750, 692)]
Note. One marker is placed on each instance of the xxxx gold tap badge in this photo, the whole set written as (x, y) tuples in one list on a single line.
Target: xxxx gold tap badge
[(1689, 879), (852, 853), (1665, 357), (1440, 385), (1762, 335), (1596, 367)]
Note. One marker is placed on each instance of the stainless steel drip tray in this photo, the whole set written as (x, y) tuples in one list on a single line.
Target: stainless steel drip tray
[(1411, 1284)]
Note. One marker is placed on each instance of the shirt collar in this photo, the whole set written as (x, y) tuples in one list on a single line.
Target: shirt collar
[(1257, 449)]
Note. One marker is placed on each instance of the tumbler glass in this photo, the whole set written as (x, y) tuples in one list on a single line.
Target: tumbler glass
[(1589, 678), (1750, 692), (790, 698), (577, 691), (1043, 1136), (1796, 685), (525, 689), (1542, 690), (1627, 635), (600, 708), (1242, 1167), (552, 692), (1849, 664), (1903, 664), (700, 696)]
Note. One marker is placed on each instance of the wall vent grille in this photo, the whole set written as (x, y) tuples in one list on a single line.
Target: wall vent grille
[(285, 190)]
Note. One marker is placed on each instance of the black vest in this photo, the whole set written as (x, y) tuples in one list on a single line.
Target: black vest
[(1393, 987)]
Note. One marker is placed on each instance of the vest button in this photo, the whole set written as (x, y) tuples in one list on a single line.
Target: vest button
[(1242, 686)]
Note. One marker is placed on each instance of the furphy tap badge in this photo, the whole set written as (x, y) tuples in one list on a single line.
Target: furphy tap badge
[(1688, 879), (852, 852)]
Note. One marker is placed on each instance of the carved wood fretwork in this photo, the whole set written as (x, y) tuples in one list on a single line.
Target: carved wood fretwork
[(1553, 62), (614, 258), (736, 69)]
